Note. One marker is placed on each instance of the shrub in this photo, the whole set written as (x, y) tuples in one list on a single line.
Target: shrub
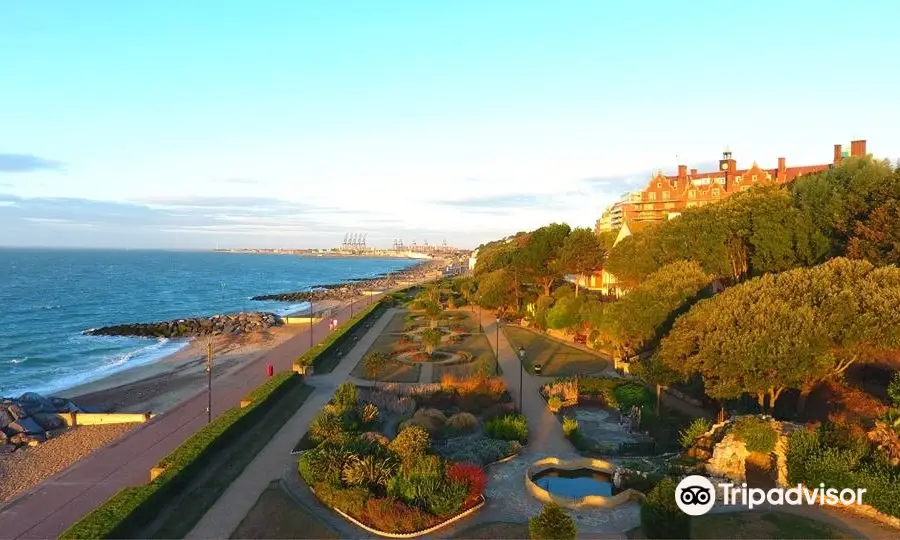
[(759, 435), (369, 471), (444, 499), (600, 387), (312, 467), (411, 441), (569, 425), (565, 389), (346, 396), (350, 500), (461, 423), (472, 475), (497, 410), (374, 363), (431, 338), (552, 524), (375, 437), (660, 515), (418, 475), (368, 414), (554, 403), (631, 395), (432, 420), (689, 435), (512, 427), (394, 516), (326, 425), (893, 390), (392, 402), (476, 449)]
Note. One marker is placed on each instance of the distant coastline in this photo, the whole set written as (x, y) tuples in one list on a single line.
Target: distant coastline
[(338, 253)]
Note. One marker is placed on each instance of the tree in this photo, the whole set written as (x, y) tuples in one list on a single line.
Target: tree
[(877, 239), (788, 330), (539, 257), (374, 363), (552, 524), (431, 338), (541, 307), (566, 314), (641, 316), (497, 290), (660, 515), (582, 252)]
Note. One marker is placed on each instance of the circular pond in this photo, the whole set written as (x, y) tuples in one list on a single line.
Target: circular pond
[(576, 483)]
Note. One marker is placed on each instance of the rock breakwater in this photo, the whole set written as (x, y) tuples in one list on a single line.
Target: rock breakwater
[(233, 323), (30, 419)]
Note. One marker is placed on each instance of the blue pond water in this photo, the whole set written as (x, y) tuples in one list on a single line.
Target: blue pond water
[(576, 483)]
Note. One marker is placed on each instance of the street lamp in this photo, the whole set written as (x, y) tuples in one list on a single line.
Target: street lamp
[(310, 322), (209, 362), (497, 343), (521, 371)]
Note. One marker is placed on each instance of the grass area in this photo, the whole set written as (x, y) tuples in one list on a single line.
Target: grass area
[(495, 529), (482, 354), (757, 524), (393, 371), (557, 359), (276, 515), (193, 502)]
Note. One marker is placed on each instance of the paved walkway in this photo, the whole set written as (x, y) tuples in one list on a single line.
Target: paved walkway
[(545, 435), (61, 500), (275, 460)]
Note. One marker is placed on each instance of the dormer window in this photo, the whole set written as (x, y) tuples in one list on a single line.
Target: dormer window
[(659, 184), (754, 177)]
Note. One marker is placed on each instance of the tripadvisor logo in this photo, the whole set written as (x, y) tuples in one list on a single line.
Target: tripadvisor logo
[(696, 495)]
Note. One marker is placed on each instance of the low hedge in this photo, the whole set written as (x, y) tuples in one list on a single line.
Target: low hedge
[(313, 356), (129, 511)]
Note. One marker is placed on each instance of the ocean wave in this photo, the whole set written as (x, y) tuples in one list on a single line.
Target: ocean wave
[(51, 307), (16, 361)]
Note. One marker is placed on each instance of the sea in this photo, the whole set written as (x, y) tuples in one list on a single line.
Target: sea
[(48, 298)]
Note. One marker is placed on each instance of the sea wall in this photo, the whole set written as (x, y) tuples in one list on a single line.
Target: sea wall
[(235, 323)]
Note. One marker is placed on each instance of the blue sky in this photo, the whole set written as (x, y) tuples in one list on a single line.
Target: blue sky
[(288, 124)]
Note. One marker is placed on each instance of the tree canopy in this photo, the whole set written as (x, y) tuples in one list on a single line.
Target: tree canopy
[(581, 252), (787, 330)]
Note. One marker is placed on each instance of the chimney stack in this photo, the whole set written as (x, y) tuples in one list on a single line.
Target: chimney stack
[(858, 148), (682, 171), (781, 168), (837, 153), (693, 172)]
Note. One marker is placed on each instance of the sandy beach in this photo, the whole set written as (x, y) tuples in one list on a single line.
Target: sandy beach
[(161, 385)]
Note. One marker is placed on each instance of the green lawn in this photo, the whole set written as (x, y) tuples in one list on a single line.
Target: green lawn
[(556, 358), (495, 529), (482, 354), (185, 511), (393, 371), (757, 524), (276, 515)]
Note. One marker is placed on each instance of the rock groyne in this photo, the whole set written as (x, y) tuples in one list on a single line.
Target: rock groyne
[(234, 323)]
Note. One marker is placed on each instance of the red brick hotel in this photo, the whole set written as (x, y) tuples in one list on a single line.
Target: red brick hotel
[(666, 196)]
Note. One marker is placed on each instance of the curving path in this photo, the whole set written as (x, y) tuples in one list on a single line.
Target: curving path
[(275, 460)]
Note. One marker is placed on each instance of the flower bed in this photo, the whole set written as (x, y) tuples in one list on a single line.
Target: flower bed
[(398, 488)]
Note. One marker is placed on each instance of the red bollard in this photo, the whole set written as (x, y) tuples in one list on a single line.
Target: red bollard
[(270, 370)]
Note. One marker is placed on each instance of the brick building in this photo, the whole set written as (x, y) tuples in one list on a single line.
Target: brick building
[(666, 196)]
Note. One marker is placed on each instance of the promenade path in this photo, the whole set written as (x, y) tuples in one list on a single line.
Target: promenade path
[(61, 500), (275, 460)]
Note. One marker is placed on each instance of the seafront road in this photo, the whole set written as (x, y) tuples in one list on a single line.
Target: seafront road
[(53, 506)]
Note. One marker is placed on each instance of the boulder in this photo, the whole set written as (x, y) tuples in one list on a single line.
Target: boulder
[(7, 449), (16, 412), (25, 425), (5, 418), (729, 459), (3, 437), (33, 403), (48, 421)]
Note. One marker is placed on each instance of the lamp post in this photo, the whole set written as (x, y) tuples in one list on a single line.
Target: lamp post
[(521, 377), (310, 322), (497, 344), (209, 361)]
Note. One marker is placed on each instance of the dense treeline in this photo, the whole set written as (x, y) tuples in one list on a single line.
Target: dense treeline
[(809, 286), (852, 210)]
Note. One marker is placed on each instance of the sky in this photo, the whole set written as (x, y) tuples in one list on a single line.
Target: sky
[(202, 124)]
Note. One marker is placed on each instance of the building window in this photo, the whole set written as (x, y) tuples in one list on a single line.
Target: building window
[(691, 204), (653, 196), (669, 205), (665, 195), (692, 194), (716, 192), (738, 179), (753, 178), (659, 184)]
